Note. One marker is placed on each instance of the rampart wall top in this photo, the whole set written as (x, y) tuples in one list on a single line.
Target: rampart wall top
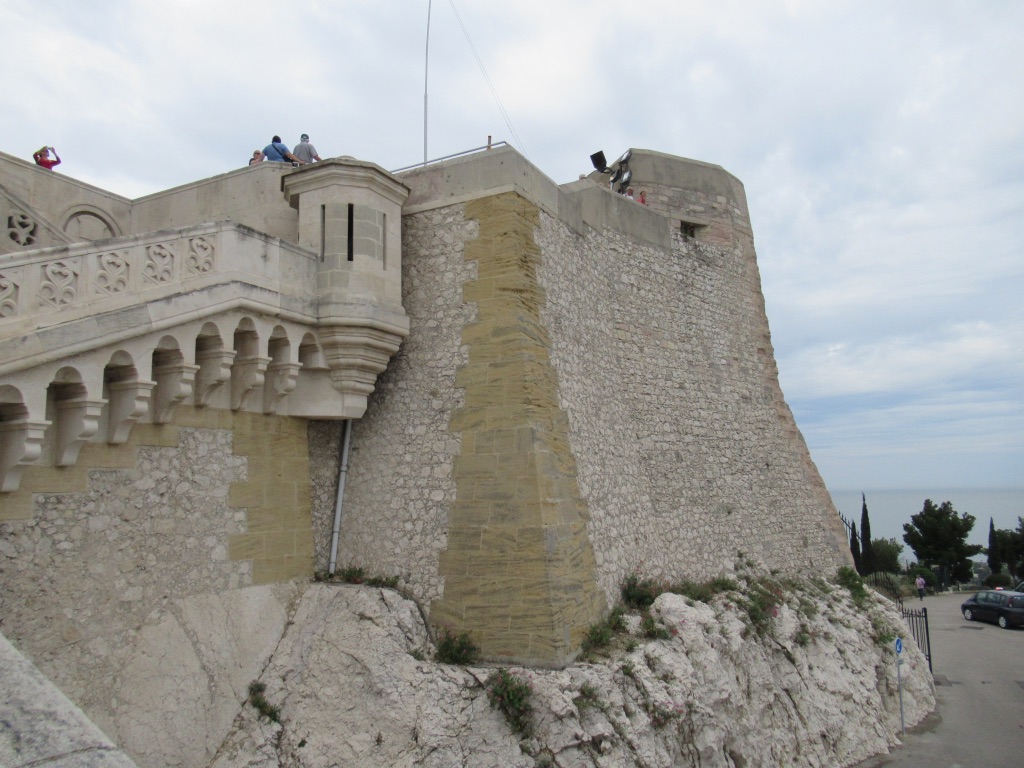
[(702, 200), (250, 196)]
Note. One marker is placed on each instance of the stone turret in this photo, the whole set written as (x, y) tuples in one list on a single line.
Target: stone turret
[(350, 215)]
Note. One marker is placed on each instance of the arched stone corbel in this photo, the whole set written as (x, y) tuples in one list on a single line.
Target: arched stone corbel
[(174, 382), (128, 402), (279, 381), (247, 374), (214, 370), (355, 355), (77, 420), (21, 443)]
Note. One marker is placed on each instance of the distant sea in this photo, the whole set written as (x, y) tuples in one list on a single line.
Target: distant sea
[(889, 510)]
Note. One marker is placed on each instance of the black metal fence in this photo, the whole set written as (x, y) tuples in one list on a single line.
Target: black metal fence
[(918, 623), (916, 620)]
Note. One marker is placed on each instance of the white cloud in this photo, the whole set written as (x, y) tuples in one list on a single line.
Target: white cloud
[(881, 145)]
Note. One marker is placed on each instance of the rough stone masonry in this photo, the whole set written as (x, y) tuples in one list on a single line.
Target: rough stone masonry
[(587, 389)]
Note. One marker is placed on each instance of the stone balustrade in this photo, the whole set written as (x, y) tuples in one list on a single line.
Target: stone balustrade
[(95, 337)]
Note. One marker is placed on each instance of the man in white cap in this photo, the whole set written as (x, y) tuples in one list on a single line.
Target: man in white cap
[(305, 151)]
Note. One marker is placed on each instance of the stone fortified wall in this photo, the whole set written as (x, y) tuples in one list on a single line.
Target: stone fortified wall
[(587, 387)]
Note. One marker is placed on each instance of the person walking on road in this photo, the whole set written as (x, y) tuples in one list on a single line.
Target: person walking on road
[(920, 583)]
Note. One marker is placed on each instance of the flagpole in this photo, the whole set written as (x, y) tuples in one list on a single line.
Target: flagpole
[(426, 65)]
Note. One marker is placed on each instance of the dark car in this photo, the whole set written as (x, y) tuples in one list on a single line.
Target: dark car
[(1003, 606)]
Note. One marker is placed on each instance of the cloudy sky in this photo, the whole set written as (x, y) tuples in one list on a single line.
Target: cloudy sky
[(881, 145)]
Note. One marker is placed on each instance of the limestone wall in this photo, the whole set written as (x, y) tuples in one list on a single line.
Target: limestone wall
[(678, 437), (133, 579), (400, 485), (685, 449)]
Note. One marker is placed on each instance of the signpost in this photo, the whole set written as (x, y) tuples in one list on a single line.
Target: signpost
[(899, 680)]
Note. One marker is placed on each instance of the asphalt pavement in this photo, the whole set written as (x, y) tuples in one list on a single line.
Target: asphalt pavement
[(979, 685)]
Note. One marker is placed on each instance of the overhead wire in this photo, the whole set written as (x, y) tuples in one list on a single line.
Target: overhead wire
[(494, 92)]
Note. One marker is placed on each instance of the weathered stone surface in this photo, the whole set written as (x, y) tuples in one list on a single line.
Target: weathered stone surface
[(352, 695), (40, 726), (817, 689), (126, 592)]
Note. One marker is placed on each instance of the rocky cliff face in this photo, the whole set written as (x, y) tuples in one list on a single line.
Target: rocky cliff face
[(802, 678)]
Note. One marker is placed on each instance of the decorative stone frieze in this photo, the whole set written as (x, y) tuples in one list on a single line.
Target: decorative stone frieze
[(58, 283)]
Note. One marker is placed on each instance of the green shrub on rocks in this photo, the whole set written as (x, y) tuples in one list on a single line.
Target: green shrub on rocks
[(652, 628), (703, 592), (587, 697), (761, 604), (639, 593), (260, 703), (456, 649), (599, 636), (847, 577), (356, 575), (511, 694)]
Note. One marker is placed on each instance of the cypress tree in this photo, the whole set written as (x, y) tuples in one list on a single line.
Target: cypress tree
[(995, 559), (855, 546), (867, 554)]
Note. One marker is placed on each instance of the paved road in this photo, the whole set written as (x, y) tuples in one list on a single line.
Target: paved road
[(979, 676)]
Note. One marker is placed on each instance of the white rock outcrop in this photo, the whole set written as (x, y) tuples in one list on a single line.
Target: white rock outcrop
[(801, 677)]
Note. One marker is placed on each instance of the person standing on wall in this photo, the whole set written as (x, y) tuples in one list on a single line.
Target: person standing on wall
[(305, 151), (42, 157), (276, 152)]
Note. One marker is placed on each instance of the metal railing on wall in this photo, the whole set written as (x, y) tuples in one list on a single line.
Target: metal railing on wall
[(485, 147)]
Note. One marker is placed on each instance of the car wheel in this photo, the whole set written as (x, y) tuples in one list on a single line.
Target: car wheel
[(968, 614), (1003, 622)]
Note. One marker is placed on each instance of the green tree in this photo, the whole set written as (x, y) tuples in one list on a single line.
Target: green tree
[(887, 555), (867, 555), (1006, 548), (1017, 556), (995, 562), (938, 536), (855, 546)]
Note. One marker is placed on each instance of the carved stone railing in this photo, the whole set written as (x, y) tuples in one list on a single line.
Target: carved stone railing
[(52, 286), (98, 335)]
